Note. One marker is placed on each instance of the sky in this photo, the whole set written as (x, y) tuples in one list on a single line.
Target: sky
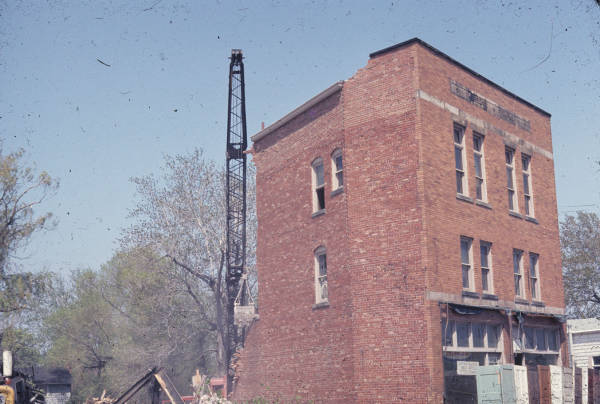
[(98, 91)]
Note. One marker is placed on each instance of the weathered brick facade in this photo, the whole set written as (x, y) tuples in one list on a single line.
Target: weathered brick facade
[(393, 235)]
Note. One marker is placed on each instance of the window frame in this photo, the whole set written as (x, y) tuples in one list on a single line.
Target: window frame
[(467, 265), (480, 182), (523, 335), (490, 277), (527, 185), (518, 276), (321, 280), (450, 333), (318, 189), (534, 277), (337, 172), (461, 172), (511, 179)]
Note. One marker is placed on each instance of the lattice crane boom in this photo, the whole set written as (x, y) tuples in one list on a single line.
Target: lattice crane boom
[(237, 142)]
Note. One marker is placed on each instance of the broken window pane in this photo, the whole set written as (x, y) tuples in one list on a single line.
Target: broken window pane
[(552, 339), (540, 339), (493, 335), (462, 334), (478, 330), (321, 197), (529, 338), (447, 331)]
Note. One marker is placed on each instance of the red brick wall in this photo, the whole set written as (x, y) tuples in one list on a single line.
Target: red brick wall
[(447, 218), (295, 351), (392, 236), (385, 232)]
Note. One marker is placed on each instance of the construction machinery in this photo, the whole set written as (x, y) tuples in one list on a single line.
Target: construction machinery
[(239, 304), (17, 387)]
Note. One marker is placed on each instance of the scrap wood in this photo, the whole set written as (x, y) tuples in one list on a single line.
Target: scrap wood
[(103, 399)]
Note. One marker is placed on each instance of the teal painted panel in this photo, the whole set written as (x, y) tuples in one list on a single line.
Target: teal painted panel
[(509, 390), (496, 385)]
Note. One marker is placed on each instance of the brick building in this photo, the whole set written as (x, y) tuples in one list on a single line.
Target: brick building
[(407, 232)]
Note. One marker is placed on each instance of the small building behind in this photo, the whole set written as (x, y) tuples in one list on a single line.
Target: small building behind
[(55, 382), (584, 342)]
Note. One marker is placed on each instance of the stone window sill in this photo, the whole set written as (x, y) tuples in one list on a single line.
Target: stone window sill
[(319, 213), (483, 204), (521, 301), (337, 191), (467, 293), (538, 303), (322, 305), (489, 296), (532, 219), (465, 198), (515, 214)]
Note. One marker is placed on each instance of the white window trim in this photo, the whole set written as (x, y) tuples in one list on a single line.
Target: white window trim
[(511, 165), (335, 184), (471, 287), (527, 198), (522, 295), (481, 155), (463, 154), (538, 292), (320, 281), (490, 289), (314, 189)]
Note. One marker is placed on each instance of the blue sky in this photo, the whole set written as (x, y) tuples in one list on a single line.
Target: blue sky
[(94, 126)]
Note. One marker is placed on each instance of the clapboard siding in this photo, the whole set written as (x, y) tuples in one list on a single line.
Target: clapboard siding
[(582, 352), (586, 338)]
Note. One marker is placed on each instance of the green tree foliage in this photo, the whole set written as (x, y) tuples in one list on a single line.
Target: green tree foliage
[(22, 191), (180, 216), (110, 326), (580, 242), (25, 347)]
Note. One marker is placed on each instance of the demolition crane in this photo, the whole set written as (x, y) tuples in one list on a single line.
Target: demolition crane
[(237, 143)]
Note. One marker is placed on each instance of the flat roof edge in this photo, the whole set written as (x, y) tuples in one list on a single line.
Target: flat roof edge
[(302, 108), (462, 66)]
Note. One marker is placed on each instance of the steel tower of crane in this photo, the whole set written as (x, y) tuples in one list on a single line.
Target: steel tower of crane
[(237, 143)]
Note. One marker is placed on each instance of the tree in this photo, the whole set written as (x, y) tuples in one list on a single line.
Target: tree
[(21, 193), (21, 190), (180, 216), (110, 326), (580, 243)]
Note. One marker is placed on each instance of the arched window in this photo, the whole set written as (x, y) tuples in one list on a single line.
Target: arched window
[(337, 170), (318, 183), (321, 294)]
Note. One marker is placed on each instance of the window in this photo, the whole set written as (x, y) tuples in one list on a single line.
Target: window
[(510, 179), (480, 189), (321, 295), (534, 276), (318, 185), (541, 340), (472, 341), (337, 168), (518, 270), (486, 265), (459, 158), (526, 160), (466, 259)]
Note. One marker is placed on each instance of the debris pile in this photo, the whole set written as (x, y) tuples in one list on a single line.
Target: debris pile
[(103, 399)]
